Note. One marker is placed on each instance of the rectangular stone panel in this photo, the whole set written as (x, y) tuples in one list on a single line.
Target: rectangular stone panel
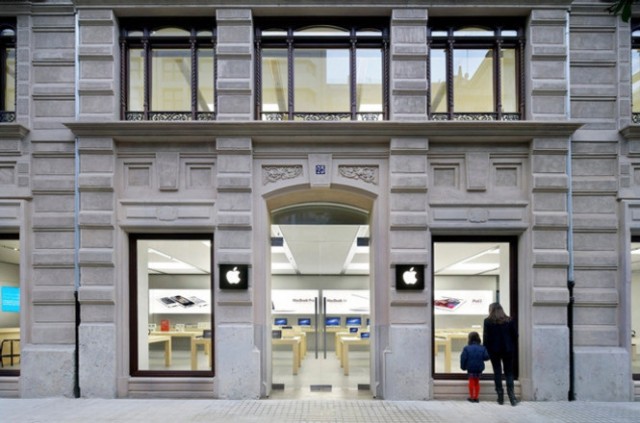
[(96, 238)]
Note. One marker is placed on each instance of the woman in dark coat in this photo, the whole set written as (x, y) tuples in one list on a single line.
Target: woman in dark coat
[(500, 338)]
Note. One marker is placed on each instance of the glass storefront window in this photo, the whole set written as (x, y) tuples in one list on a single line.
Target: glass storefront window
[(169, 71), (320, 73), (321, 80), (7, 70), (473, 81), (475, 72), (171, 291), (171, 84), (635, 307), (9, 305), (468, 276)]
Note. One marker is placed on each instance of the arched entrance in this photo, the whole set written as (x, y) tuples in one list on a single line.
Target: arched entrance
[(320, 286)]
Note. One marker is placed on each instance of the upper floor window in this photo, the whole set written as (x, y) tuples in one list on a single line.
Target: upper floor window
[(316, 72), (475, 71), (7, 71), (635, 72), (168, 70)]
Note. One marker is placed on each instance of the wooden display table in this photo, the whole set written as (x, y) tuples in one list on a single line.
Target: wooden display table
[(167, 346), (206, 345), (346, 342), (296, 346)]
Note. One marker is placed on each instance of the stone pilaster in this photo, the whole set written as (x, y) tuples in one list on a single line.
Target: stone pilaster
[(409, 85), (546, 65), (409, 327), (99, 65), (47, 367), (237, 360), (234, 53), (96, 260), (548, 355)]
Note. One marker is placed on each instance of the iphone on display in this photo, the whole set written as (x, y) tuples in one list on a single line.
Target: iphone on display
[(167, 302), (184, 302), (198, 301)]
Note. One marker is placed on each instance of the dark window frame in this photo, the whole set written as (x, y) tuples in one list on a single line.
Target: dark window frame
[(635, 45), (350, 40), (7, 42), (495, 43), (133, 307), (513, 297), (148, 43), (3, 371)]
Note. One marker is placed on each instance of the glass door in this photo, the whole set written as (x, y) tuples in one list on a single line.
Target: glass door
[(320, 309)]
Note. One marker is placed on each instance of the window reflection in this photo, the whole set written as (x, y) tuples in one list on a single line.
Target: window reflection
[(321, 80), (205, 81), (438, 81), (274, 80), (473, 81), (10, 81), (171, 83), (635, 79)]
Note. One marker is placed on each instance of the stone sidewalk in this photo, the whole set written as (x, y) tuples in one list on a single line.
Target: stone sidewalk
[(59, 410)]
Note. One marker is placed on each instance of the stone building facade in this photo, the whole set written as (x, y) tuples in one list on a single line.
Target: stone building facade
[(78, 180)]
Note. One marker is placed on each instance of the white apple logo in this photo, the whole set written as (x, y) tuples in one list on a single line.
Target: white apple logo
[(233, 276), (409, 277)]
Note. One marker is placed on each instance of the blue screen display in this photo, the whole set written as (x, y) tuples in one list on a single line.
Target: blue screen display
[(304, 322), (353, 330), (332, 321), (280, 321), (364, 335), (354, 321), (10, 299)]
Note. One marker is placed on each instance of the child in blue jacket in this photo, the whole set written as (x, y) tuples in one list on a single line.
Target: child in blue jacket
[(472, 360)]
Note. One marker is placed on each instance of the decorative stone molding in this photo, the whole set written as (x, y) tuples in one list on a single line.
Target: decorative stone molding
[(368, 174), (272, 174)]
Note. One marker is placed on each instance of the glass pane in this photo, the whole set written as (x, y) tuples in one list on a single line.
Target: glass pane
[(170, 32), (7, 32), (369, 81), (635, 79), (10, 304), (509, 33), (438, 85), (10, 77), (136, 80), (473, 81), (321, 81), (509, 81), (473, 32), (174, 305), (274, 80), (321, 31), (205, 80), (635, 307), (171, 84), (468, 277)]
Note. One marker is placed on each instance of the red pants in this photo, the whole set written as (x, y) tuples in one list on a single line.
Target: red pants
[(474, 387)]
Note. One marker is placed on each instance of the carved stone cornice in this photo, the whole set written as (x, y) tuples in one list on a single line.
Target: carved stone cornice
[(341, 132)]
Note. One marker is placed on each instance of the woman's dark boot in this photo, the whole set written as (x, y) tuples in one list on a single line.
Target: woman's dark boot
[(512, 397), (500, 397)]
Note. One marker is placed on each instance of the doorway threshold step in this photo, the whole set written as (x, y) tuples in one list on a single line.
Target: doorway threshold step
[(320, 388)]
